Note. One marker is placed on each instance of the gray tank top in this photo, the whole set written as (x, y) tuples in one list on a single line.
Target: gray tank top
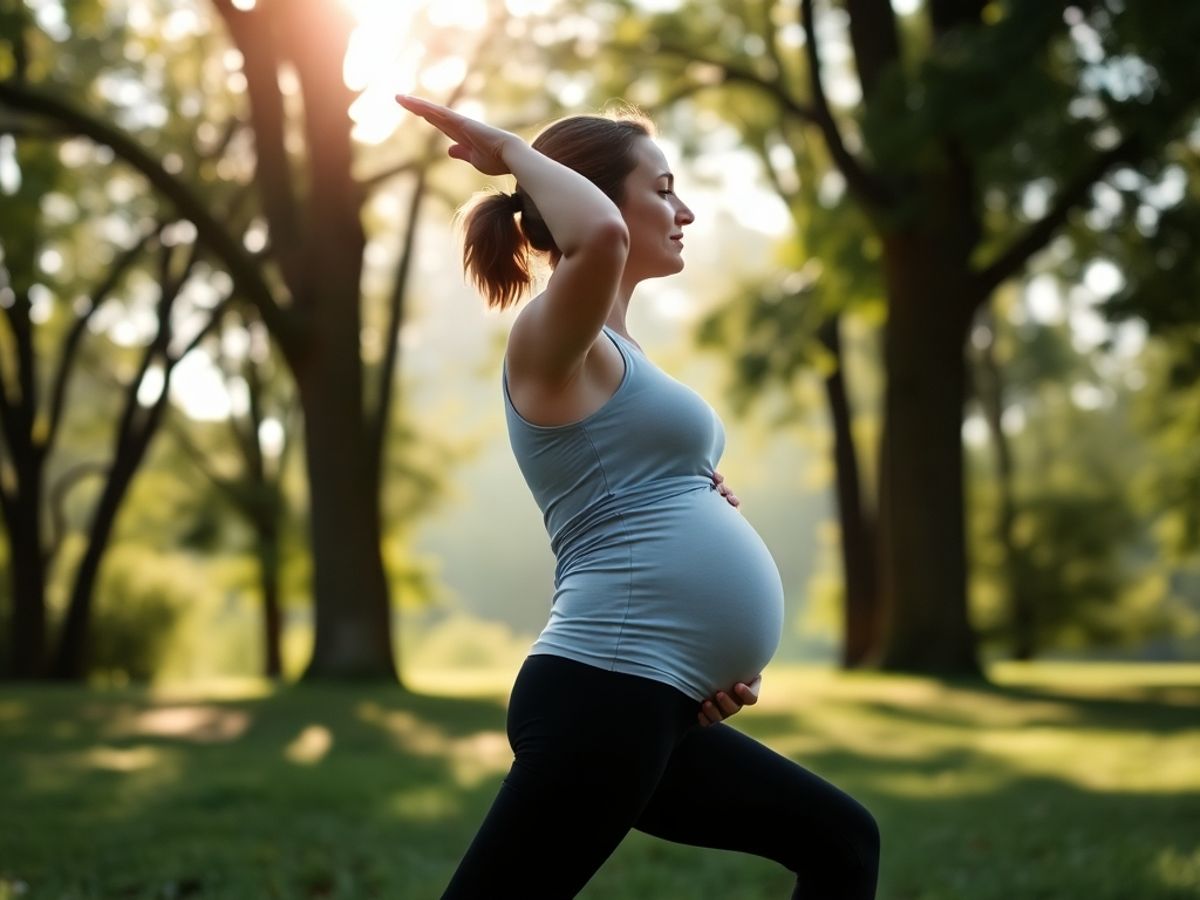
[(656, 574)]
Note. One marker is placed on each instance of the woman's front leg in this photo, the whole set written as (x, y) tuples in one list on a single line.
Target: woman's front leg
[(590, 746), (725, 790)]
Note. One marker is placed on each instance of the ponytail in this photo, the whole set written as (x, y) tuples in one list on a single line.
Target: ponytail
[(495, 251), (503, 231)]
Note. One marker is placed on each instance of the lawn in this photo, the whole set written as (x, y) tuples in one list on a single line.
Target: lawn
[(1053, 781)]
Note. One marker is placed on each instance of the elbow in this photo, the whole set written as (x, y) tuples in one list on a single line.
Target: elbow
[(609, 238), (616, 233)]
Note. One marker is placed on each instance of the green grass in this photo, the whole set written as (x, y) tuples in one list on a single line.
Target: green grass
[(1054, 781)]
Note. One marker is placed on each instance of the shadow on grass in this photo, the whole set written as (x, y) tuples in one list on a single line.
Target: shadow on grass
[(311, 791), (1166, 709), (359, 791)]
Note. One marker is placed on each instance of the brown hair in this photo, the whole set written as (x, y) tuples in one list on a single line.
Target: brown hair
[(497, 247)]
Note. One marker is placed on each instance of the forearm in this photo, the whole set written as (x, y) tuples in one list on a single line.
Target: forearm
[(572, 207)]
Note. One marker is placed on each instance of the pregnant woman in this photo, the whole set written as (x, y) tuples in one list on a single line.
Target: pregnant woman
[(667, 604)]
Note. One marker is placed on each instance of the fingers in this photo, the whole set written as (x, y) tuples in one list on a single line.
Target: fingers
[(417, 106), (723, 489), (728, 705), (423, 107), (709, 714), (442, 118), (712, 713), (473, 142), (725, 706), (746, 694)]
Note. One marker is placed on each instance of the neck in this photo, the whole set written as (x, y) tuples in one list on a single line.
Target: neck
[(620, 307)]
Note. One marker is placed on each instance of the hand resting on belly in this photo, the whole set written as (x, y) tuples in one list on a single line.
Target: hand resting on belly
[(722, 706)]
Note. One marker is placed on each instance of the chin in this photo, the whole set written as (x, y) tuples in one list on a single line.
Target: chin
[(664, 272), (667, 267)]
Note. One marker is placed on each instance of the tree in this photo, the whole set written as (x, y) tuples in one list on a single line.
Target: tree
[(30, 427), (960, 114), (255, 491), (306, 286), (1058, 538)]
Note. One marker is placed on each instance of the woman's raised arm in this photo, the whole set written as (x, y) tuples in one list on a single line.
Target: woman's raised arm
[(586, 226)]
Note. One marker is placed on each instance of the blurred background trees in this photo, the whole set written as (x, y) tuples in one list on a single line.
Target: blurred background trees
[(957, 306), (947, 122)]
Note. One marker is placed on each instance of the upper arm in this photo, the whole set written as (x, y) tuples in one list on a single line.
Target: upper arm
[(551, 339)]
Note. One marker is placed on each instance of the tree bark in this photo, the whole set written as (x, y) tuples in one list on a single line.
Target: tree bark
[(353, 637), (350, 589), (861, 612), (136, 430), (26, 571), (72, 655), (923, 540), (268, 572), (22, 507)]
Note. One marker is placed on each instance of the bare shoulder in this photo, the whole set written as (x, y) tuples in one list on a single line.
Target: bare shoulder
[(549, 402), (530, 352)]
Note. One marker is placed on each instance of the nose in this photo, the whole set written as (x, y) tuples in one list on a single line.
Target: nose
[(684, 215)]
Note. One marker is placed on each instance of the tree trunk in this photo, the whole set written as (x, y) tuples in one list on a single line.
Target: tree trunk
[(27, 572), (22, 508), (71, 657), (861, 610), (313, 209), (923, 541), (268, 574), (138, 427), (350, 591)]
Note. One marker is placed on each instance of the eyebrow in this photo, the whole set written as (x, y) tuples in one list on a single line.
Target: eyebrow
[(670, 178)]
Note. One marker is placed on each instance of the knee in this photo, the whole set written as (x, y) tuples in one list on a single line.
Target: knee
[(841, 859), (862, 836)]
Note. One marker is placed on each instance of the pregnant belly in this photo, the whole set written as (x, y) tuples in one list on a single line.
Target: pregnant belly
[(685, 588)]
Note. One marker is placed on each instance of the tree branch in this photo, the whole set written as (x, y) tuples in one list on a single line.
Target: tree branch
[(387, 369), (227, 486), (373, 181), (733, 73), (245, 437), (1037, 235), (242, 268), (770, 36), (71, 342), (57, 498), (874, 194), (378, 419), (874, 39), (252, 33), (764, 155)]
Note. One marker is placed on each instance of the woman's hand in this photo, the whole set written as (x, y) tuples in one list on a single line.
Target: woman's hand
[(723, 706), (719, 481), (474, 142)]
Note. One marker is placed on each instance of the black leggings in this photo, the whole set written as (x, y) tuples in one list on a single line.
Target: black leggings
[(599, 752)]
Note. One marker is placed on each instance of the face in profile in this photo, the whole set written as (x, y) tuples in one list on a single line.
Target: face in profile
[(654, 215)]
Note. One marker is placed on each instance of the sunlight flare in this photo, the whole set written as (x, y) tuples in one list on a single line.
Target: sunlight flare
[(400, 48)]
